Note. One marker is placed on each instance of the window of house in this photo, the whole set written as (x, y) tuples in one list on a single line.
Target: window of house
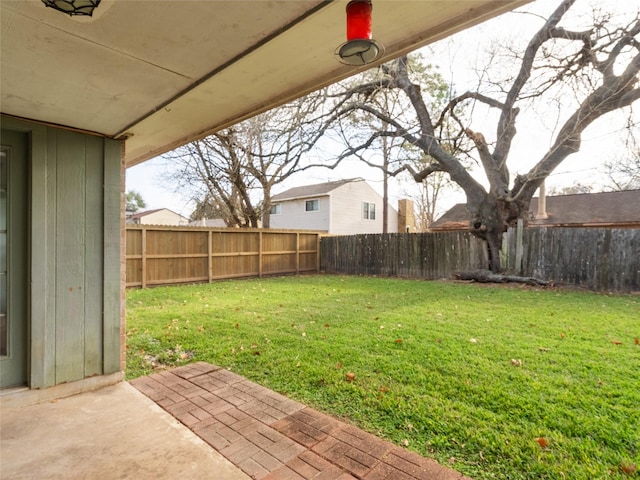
[(311, 206), (276, 209), (369, 211)]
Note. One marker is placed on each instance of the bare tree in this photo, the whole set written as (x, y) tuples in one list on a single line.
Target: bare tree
[(624, 172), (576, 187), (426, 199), (212, 208), (235, 169), (390, 153), (212, 169), (596, 66)]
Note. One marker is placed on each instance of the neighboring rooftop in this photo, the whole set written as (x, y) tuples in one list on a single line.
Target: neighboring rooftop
[(158, 216), (145, 213), (312, 190), (604, 209)]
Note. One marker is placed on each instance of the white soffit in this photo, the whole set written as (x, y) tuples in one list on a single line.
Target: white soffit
[(162, 73)]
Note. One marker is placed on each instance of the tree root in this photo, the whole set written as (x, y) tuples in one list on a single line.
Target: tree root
[(487, 276)]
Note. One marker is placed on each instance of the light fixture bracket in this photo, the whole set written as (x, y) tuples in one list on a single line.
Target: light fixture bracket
[(73, 7), (358, 52), (360, 48)]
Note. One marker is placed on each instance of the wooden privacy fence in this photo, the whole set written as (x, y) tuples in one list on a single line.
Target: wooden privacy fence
[(415, 255), (159, 255), (606, 259), (602, 259)]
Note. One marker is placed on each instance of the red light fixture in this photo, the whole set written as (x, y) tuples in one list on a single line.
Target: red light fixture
[(359, 20), (360, 48)]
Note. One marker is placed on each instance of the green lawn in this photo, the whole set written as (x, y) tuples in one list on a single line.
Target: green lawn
[(497, 382)]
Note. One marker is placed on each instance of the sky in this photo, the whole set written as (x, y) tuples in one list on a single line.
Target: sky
[(456, 58)]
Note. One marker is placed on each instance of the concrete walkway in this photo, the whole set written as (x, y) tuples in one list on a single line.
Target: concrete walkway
[(270, 437), (111, 433)]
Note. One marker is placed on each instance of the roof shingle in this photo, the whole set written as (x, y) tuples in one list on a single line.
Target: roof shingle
[(604, 209)]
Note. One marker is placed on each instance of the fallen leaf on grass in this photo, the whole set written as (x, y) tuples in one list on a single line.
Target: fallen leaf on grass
[(628, 468), (383, 389), (562, 335), (636, 341), (616, 342), (398, 340), (338, 366), (542, 442), (405, 442), (350, 377), (452, 460), (544, 349), (516, 362), (473, 340), (326, 325)]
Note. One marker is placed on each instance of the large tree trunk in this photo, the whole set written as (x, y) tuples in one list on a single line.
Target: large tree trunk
[(491, 219)]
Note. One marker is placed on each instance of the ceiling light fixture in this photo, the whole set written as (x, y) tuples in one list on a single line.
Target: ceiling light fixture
[(359, 48), (73, 7)]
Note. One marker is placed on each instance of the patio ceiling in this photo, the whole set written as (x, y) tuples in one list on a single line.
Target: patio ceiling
[(163, 73)]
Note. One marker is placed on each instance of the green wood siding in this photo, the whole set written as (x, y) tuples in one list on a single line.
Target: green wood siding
[(75, 226), (93, 262), (113, 256), (69, 199)]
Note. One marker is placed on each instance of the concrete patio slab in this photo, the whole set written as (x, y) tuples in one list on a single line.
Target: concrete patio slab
[(111, 433)]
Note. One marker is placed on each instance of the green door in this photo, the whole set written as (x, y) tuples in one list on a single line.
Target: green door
[(13, 255)]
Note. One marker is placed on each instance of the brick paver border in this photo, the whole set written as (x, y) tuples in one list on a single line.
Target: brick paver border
[(271, 437)]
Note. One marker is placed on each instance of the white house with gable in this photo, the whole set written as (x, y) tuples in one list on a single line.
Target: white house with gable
[(342, 207), (159, 216)]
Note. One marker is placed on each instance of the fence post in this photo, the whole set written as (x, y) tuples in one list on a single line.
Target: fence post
[(259, 254), (209, 255), (297, 253), (519, 245), (318, 238), (143, 283)]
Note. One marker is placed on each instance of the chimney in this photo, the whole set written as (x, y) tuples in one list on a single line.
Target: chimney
[(542, 203), (406, 217)]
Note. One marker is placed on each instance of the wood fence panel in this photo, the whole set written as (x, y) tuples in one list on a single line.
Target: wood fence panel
[(158, 255), (599, 259), (133, 252), (414, 255), (596, 258)]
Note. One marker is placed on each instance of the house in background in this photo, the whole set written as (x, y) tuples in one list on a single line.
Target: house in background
[(159, 216), (605, 209), (342, 207), (208, 222), (84, 98)]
